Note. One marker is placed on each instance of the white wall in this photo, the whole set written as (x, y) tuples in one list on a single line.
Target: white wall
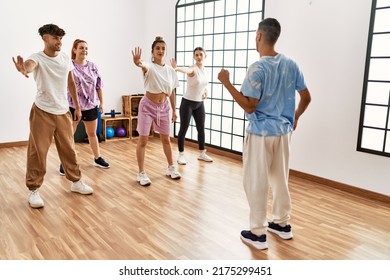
[(111, 28), (328, 39)]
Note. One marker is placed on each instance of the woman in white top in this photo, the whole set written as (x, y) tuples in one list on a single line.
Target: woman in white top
[(192, 104), (160, 81)]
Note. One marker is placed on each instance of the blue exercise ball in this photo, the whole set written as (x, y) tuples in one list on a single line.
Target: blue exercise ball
[(110, 132), (120, 132)]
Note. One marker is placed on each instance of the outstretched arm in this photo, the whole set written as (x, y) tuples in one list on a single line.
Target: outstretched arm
[(247, 103), (186, 70), (138, 61), (302, 106), (24, 67)]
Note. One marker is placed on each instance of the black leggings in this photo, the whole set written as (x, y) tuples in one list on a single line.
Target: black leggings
[(190, 108)]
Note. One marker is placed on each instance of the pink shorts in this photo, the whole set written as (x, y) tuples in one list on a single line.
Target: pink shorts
[(158, 114)]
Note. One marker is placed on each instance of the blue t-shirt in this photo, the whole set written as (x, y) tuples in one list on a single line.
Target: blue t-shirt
[(273, 81)]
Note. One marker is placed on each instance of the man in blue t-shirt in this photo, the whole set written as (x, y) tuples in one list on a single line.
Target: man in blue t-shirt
[(268, 98)]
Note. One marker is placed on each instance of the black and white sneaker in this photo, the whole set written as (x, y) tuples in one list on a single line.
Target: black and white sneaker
[(100, 162), (283, 232), (259, 242)]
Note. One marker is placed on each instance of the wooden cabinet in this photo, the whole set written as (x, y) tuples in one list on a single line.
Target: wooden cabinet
[(119, 121), (130, 105)]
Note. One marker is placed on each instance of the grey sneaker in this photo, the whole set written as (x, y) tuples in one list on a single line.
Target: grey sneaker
[(173, 172), (35, 200), (143, 179), (203, 156), (80, 187)]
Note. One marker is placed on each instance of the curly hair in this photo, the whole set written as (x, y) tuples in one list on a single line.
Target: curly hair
[(51, 29)]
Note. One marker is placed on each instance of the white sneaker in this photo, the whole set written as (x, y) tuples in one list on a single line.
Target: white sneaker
[(143, 179), (80, 187), (203, 156), (181, 160), (173, 172), (35, 200)]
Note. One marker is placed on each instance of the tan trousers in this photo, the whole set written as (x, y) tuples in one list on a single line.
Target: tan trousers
[(43, 126), (266, 165)]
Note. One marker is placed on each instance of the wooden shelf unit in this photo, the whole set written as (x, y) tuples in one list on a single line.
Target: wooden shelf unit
[(117, 121)]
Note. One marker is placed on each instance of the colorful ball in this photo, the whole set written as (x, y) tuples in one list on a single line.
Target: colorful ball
[(110, 132), (120, 132)]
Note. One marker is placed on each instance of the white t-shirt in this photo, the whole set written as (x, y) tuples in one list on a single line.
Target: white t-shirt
[(196, 84), (51, 76), (160, 79)]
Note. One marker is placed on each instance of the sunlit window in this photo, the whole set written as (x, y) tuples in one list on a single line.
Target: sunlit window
[(226, 30), (374, 126)]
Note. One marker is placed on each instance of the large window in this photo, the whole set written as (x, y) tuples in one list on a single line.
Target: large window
[(374, 129), (226, 29)]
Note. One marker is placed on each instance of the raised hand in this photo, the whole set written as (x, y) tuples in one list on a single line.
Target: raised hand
[(173, 63), (137, 56), (19, 64)]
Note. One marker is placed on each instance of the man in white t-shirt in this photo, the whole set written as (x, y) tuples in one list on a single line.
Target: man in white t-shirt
[(50, 116)]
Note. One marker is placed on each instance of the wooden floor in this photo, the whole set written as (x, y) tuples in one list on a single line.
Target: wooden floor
[(196, 218)]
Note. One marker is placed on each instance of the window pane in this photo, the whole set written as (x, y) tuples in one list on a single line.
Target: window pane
[(216, 138), (237, 143), (382, 18), (383, 3), (216, 123), (216, 108), (198, 27), (199, 11), (256, 5), (242, 40), (230, 41), (227, 108), (375, 116), (380, 45), (208, 26), (242, 22), (230, 7), (230, 24), (238, 127), (226, 141), (219, 8), (209, 10), (227, 125), (378, 93), (373, 139), (243, 7), (379, 69)]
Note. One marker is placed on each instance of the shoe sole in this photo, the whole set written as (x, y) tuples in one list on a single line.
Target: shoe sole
[(144, 185), (36, 206), (283, 235), (101, 166), (81, 192), (181, 163), (258, 245), (205, 160), (62, 174), (173, 178)]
